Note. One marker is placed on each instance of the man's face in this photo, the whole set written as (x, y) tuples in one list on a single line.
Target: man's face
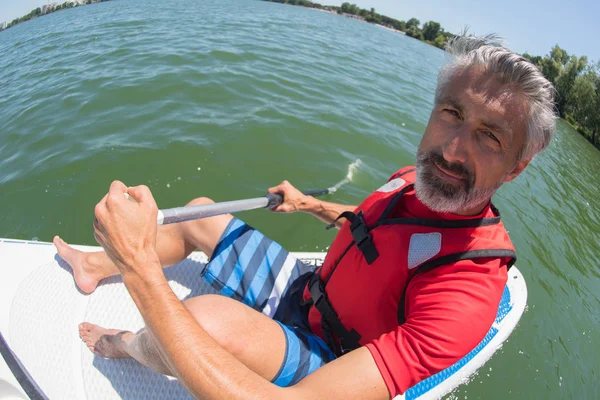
[(471, 144)]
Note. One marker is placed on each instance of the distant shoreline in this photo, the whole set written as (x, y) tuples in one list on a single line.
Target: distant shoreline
[(577, 82), (379, 25), (432, 33), (47, 9)]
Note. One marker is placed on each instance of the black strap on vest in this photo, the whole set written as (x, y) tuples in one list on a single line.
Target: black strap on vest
[(330, 320), (349, 340), (361, 235)]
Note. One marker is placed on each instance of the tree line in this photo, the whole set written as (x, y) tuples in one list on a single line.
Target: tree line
[(38, 12), (577, 84), (431, 32), (577, 81)]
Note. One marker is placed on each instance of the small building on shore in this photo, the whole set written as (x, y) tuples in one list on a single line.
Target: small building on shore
[(353, 16), (2, 26), (46, 8)]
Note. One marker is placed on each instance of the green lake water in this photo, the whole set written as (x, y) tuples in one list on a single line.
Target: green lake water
[(224, 99)]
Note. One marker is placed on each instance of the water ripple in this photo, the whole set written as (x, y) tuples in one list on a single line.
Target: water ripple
[(234, 96)]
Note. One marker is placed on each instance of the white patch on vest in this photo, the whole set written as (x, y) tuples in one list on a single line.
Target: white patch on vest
[(423, 247), (392, 185)]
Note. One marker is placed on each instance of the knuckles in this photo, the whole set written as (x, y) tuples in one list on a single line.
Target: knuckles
[(98, 210)]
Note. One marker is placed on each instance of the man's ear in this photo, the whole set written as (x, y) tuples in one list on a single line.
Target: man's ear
[(517, 170)]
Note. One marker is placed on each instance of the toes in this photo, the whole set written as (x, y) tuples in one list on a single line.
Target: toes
[(86, 326), (58, 241)]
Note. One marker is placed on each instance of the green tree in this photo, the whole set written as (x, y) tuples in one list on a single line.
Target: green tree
[(414, 32), (440, 41), (585, 101), (559, 55), (536, 60), (431, 30), (583, 97), (565, 81), (553, 64), (413, 22), (400, 25)]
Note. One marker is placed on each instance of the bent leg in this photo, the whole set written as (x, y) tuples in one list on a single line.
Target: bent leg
[(174, 243), (254, 339)]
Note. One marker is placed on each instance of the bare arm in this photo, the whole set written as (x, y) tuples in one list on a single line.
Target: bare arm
[(208, 371), (294, 200), (127, 231)]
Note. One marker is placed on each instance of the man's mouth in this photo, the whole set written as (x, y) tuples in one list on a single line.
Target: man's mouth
[(449, 174)]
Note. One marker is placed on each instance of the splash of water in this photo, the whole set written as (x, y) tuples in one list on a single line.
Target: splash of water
[(352, 168)]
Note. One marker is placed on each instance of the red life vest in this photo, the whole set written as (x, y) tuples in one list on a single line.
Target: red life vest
[(358, 293)]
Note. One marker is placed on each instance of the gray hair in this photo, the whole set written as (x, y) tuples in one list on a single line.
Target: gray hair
[(487, 51)]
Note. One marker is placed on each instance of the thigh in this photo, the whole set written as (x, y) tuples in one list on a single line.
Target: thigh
[(279, 353), (251, 268), (251, 337)]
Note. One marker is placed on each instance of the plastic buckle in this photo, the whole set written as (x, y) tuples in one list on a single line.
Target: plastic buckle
[(317, 294), (359, 229)]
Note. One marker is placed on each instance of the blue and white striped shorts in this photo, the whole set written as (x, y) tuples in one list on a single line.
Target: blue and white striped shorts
[(253, 269)]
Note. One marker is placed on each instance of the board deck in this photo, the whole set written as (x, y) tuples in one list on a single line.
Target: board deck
[(40, 309)]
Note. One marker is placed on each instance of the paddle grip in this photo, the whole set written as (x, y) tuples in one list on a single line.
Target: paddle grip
[(275, 199)]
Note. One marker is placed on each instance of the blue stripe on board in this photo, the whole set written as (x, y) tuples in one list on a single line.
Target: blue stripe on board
[(258, 278), (276, 265), (505, 305), (233, 272), (426, 385), (25, 242)]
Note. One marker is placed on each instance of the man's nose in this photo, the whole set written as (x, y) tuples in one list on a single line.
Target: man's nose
[(456, 147)]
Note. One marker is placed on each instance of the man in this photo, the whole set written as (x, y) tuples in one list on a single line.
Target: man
[(410, 285)]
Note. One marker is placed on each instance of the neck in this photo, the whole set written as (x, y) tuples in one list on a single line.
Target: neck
[(467, 212)]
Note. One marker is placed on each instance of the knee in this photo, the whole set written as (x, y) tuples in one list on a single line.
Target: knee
[(200, 201), (208, 312)]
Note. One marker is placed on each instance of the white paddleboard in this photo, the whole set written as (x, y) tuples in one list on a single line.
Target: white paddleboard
[(43, 357)]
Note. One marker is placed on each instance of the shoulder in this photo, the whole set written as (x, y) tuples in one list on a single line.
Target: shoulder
[(403, 172)]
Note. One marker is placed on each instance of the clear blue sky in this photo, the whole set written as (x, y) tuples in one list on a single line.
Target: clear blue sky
[(527, 25)]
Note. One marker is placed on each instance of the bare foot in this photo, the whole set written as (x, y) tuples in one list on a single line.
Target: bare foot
[(85, 280), (109, 343)]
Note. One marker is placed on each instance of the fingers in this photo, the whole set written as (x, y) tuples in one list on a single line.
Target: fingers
[(115, 194), (117, 188), (142, 195), (292, 197), (281, 188)]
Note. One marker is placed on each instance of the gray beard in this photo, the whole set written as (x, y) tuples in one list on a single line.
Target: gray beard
[(443, 197)]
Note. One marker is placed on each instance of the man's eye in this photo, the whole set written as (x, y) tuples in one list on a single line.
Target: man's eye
[(491, 136), (452, 112)]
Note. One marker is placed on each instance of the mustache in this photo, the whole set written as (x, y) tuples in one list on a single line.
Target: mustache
[(435, 157)]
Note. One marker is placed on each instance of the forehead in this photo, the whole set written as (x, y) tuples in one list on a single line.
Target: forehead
[(486, 98)]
